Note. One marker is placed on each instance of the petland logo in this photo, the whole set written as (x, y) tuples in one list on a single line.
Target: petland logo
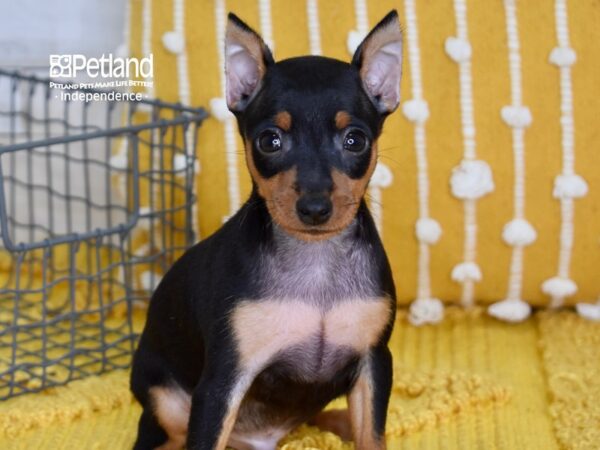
[(70, 66), (106, 71)]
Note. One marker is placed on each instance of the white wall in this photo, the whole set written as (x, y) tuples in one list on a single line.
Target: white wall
[(30, 30)]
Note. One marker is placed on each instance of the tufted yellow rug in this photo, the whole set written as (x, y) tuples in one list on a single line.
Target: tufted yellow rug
[(471, 382)]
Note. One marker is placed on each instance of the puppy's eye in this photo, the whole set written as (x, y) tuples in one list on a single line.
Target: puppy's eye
[(355, 141), (269, 142)]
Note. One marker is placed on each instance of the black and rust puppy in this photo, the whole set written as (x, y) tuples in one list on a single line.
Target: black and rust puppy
[(291, 303)]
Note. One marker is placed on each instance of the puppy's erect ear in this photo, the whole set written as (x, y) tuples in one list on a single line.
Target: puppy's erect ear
[(379, 60), (246, 61)]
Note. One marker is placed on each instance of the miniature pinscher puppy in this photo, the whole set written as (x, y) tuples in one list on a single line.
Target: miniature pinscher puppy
[(291, 303)]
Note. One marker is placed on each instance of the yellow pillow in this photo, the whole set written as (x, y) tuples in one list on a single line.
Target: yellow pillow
[(457, 55)]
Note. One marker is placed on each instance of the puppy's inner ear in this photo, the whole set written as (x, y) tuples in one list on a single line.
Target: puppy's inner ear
[(246, 61), (379, 60)]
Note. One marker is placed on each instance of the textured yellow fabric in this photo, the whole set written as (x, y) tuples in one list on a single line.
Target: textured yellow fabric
[(491, 90), (469, 383)]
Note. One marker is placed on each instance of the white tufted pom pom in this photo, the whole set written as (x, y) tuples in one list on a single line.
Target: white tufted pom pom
[(149, 280), (218, 108), (354, 40), (119, 161), (173, 41), (510, 310), (416, 110), (562, 56), (382, 176), (466, 271), (519, 232), (428, 230), (559, 287), (588, 311), (459, 50), (516, 116), (569, 186), (180, 162), (471, 180), (426, 310), (142, 250)]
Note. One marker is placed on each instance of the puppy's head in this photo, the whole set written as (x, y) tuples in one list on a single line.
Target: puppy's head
[(310, 124)]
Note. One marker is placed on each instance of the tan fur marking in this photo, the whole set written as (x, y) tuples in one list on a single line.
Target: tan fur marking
[(172, 410), (228, 424), (264, 328), (335, 421), (348, 192), (283, 120), (360, 406), (233, 407), (357, 324), (280, 196), (342, 120)]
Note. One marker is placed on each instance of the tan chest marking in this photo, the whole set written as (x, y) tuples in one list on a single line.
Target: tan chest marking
[(264, 328)]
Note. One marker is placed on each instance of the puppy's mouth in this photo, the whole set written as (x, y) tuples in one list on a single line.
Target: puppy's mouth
[(317, 231), (313, 233)]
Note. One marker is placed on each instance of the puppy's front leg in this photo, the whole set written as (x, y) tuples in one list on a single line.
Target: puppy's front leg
[(215, 404), (368, 400)]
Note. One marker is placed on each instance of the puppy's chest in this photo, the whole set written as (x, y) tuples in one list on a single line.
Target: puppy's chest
[(318, 306)]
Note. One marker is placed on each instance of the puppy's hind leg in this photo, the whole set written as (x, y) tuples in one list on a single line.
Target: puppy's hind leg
[(150, 434)]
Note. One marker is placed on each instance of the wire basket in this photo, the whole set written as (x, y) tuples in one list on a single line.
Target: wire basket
[(96, 202)]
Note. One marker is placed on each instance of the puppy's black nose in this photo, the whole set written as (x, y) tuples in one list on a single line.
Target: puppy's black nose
[(313, 209)]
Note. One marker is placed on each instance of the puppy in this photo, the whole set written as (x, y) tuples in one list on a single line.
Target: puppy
[(290, 304)]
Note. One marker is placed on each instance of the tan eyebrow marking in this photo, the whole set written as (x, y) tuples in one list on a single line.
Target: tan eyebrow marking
[(283, 120), (342, 120)]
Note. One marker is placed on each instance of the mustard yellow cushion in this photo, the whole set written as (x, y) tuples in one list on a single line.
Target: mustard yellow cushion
[(185, 38)]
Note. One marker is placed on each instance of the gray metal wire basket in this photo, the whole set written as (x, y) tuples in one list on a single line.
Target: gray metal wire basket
[(96, 202)]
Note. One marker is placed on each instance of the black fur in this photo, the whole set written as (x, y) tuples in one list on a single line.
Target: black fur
[(188, 339)]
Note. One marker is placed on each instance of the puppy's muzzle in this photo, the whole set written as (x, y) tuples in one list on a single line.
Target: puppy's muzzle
[(314, 209)]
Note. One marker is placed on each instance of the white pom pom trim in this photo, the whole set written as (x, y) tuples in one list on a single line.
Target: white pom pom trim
[(466, 271), (426, 310), (354, 40), (562, 56), (510, 310), (416, 110), (180, 162), (119, 161), (588, 311), (559, 287), (519, 232), (218, 108), (516, 116), (471, 180), (142, 250), (428, 230), (459, 50), (382, 176), (149, 280), (173, 42), (569, 186)]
